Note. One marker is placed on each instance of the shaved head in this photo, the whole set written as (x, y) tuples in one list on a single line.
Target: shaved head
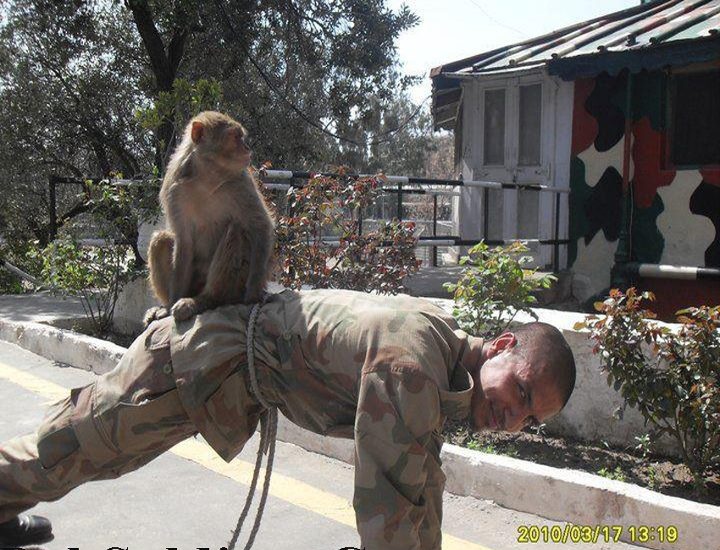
[(543, 345)]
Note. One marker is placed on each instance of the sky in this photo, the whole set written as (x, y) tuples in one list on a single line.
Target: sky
[(454, 29)]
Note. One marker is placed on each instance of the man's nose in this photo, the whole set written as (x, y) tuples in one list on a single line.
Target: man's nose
[(515, 418)]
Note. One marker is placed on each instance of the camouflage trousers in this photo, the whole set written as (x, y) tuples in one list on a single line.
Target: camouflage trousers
[(120, 422)]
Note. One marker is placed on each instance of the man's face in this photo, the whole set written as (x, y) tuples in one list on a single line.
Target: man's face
[(511, 393)]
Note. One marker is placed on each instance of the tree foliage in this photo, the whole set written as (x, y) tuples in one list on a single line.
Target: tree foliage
[(92, 87)]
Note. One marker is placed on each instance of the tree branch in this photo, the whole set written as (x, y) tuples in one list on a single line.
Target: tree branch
[(153, 43)]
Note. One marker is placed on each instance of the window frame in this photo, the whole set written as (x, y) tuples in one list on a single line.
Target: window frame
[(669, 100)]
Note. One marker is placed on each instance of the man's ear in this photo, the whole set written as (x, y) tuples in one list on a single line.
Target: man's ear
[(196, 133), (505, 341)]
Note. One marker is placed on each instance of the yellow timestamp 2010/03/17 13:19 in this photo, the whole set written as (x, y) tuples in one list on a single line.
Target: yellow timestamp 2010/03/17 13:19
[(572, 533)]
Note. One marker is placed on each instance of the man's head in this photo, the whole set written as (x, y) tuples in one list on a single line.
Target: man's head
[(526, 377)]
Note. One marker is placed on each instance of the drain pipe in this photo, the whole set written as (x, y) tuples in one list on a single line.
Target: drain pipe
[(619, 273)]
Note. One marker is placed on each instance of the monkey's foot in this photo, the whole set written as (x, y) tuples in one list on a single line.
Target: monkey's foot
[(185, 308), (155, 313)]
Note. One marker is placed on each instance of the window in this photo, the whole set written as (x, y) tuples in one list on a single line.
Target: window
[(529, 129), (494, 127), (695, 119)]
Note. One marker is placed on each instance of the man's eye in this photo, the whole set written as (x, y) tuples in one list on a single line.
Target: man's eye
[(523, 395)]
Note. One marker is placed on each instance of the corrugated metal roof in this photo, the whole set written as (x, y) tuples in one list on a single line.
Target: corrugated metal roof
[(611, 42)]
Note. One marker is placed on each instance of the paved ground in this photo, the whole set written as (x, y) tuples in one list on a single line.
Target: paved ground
[(190, 499), (38, 307)]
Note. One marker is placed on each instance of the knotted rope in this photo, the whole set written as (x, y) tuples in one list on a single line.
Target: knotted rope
[(268, 432)]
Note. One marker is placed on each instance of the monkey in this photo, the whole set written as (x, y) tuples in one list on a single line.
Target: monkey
[(220, 235)]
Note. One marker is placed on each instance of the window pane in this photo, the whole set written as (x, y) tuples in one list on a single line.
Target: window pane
[(530, 116), (695, 137), (494, 127)]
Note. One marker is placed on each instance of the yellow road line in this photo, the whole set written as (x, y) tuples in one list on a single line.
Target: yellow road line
[(283, 487), (35, 384)]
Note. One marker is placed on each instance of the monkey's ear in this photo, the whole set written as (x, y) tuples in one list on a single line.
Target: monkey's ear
[(197, 131)]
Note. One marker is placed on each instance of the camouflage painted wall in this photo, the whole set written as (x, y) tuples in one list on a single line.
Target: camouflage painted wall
[(675, 213)]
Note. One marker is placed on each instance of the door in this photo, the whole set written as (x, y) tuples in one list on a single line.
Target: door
[(515, 145)]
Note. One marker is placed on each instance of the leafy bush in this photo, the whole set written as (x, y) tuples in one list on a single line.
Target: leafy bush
[(494, 287), (670, 376), (319, 243), (95, 274)]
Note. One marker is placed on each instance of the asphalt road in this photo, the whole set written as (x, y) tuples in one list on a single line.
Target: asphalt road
[(189, 498)]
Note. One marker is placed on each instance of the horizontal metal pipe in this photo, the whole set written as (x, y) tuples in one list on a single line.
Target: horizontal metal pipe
[(457, 241), (394, 180), (665, 271), (20, 273), (441, 192), (286, 174)]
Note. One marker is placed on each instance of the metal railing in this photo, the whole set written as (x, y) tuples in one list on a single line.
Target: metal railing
[(400, 186), (420, 186)]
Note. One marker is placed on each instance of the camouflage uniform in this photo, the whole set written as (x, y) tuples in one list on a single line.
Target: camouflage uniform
[(385, 371)]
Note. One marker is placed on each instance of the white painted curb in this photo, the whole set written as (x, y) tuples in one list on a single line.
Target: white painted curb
[(63, 346), (557, 494)]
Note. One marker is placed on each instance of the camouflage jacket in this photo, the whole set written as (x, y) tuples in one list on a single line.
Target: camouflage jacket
[(385, 371)]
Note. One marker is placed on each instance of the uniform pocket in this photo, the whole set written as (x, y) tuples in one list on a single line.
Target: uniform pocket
[(56, 438), (133, 428), (233, 412)]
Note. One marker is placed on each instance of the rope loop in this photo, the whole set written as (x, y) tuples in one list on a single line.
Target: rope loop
[(268, 434)]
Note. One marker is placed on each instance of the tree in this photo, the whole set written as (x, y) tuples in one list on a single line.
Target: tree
[(69, 84), (73, 77)]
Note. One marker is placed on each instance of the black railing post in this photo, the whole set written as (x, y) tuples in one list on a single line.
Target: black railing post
[(556, 238), (435, 212), (52, 191), (486, 212), (399, 203)]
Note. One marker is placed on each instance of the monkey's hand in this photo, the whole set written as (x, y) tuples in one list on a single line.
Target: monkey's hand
[(185, 308), (155, 313)]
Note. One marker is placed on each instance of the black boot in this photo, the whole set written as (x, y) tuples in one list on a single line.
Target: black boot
[(25, 529)]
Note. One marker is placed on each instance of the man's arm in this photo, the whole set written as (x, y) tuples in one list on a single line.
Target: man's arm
[(398, 480)]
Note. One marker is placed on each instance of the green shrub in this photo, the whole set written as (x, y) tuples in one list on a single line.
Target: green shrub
[(494, 287), (330, 208), (617, 473), (671, 377), (14, 250), (95, 274)]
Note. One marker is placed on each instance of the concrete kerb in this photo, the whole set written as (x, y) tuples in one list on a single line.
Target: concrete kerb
[(557, 494), (63, 346)]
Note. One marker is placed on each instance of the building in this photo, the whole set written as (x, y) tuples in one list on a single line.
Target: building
[(622, 110)]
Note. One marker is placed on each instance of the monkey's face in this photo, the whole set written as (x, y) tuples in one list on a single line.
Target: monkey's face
[(235, 147), (221, 140)]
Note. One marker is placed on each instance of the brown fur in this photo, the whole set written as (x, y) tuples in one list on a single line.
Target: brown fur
[(220, 232)]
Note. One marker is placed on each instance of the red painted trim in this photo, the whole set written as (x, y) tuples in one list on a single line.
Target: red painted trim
[(584, 125)]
